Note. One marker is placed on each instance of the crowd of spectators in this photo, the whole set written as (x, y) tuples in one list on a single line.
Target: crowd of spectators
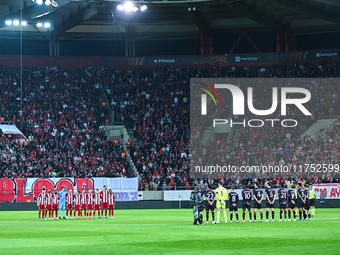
[(155, 104), (296, 154), (60, 114)]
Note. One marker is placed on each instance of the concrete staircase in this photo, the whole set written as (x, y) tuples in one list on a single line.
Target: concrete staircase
[(330, 126), (233, 131), (115, 131), (207, 135), (131, 135), (318, 127), (209, 132)]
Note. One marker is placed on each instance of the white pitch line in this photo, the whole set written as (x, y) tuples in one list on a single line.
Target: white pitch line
[(335, 218)]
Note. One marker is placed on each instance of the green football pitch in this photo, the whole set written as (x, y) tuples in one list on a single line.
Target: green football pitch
[(166, 232)]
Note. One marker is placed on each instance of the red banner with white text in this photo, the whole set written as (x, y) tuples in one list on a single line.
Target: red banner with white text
[(27, 189), (330, 190)]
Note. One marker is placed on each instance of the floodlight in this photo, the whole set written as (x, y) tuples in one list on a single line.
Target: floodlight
[(128, 6), (143, 8), (54, 3)]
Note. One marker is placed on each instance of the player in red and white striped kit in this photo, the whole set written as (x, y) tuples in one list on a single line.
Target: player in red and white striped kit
[(112, 199), (42, 204), (96, 204), (69, 200), (89, 206), (49, 196), (104, 196), (55, 204), (83, 203), (77, 202)]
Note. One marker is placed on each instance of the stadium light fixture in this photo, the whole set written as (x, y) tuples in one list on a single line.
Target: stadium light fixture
[(128, 6), (54, 3), (25, 23), (192, 8), (143, 8)]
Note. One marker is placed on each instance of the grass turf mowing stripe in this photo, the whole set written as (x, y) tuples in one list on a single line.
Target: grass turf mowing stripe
[(167, 232)]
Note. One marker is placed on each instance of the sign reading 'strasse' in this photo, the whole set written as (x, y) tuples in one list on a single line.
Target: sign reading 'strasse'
[(264, 127)]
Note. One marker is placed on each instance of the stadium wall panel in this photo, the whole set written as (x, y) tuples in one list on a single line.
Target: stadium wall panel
[(13, 61)]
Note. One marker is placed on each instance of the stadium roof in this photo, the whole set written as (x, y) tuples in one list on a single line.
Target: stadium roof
[(167, 19)]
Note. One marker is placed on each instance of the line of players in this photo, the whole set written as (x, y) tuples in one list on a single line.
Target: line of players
[(293, 200), (83, 203)]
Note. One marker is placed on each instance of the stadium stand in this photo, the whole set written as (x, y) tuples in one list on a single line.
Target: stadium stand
[(61, 119), (67, 139), (154, 103)]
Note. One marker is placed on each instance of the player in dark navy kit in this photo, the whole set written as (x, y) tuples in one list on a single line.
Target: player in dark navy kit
[(307, 203), (246, 195), (209, 196), (282, 201), (270, 198), (291, 203), (301, 200), (233, 199), (258, 196)]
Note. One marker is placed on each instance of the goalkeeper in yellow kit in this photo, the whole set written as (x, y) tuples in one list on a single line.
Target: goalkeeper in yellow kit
[(221, 195)]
